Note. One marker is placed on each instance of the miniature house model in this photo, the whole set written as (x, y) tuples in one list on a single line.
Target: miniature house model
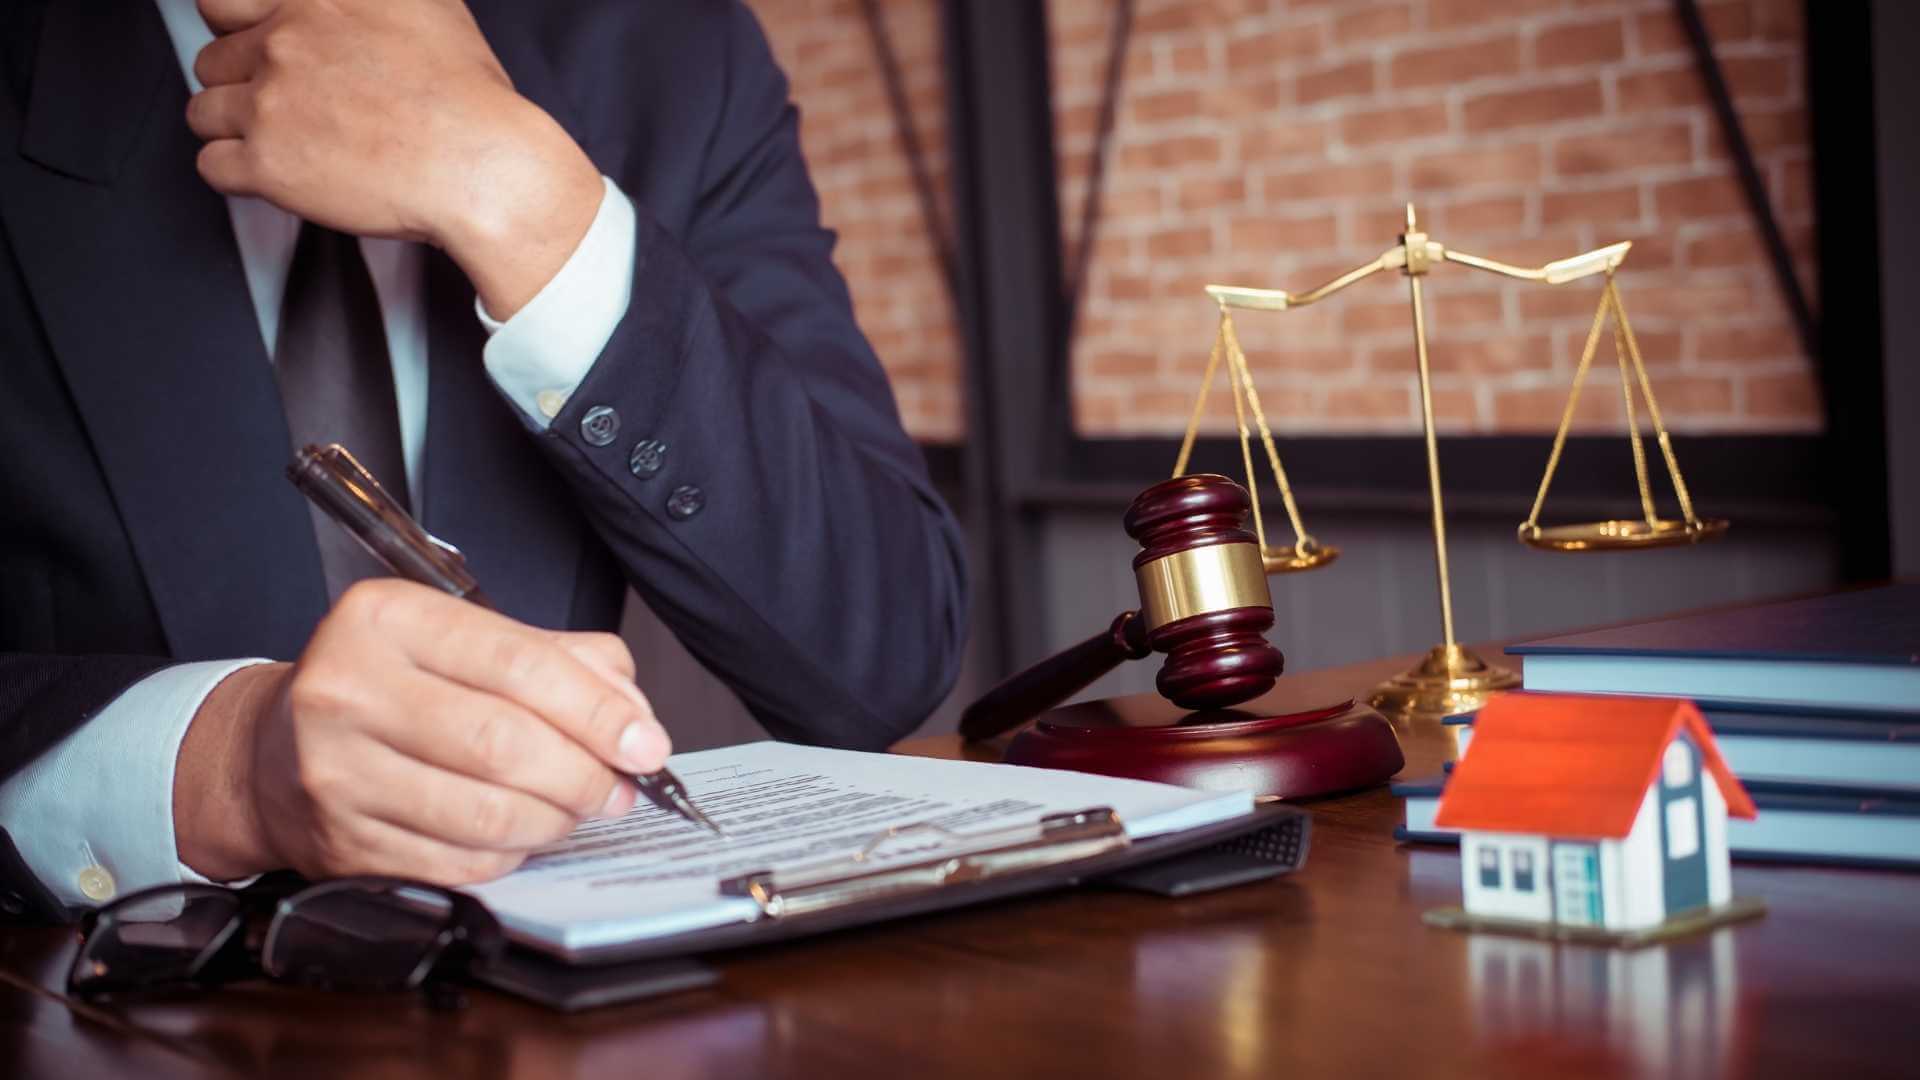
[(1582, 810)]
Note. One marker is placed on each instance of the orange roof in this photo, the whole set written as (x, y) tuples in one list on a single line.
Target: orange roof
[(1573, 764)]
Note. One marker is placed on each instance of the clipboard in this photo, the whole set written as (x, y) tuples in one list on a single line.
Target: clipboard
[(1088, 847)]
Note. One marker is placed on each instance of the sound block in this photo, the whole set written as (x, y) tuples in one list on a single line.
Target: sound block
[(1294, 754)]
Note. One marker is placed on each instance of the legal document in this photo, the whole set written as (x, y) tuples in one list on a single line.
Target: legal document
[(651, 874)]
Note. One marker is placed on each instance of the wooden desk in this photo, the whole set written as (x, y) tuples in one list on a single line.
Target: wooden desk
[(1329, 972)]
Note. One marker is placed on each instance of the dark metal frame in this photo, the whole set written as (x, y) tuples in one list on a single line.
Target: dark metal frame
[(1852, 385), (1007, 217)]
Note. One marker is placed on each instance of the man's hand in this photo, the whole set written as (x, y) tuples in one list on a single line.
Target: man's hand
[(418, 735), (392, 118)]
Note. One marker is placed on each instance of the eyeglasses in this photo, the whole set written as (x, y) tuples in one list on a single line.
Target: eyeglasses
[(367, 934)]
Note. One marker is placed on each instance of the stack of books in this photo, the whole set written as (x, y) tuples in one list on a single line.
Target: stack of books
[(1815, 704)]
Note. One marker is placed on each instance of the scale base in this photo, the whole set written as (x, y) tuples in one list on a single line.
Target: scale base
[(1451, 680)]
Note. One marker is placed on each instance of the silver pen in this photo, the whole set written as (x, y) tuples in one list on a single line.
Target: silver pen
[(341, 487)]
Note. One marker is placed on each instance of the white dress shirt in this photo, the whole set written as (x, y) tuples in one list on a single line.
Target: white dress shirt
[(93, 816)]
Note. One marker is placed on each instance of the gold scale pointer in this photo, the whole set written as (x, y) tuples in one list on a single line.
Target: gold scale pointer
[(1452, 679)]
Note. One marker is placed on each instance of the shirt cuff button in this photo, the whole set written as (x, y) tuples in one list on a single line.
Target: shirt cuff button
[(96, 884), (550, 402)]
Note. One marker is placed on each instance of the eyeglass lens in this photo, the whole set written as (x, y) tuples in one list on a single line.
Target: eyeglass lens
[(156, 940), (353, 935)]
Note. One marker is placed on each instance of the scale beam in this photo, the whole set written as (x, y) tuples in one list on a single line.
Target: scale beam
[(1599, 261), (1240, 296)]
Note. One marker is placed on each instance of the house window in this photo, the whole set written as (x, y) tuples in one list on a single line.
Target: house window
[(1683, 828), (1489, 867), (1678, 764), (1522, 870)]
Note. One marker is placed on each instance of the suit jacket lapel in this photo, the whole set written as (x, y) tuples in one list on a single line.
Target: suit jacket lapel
[(133, 268)]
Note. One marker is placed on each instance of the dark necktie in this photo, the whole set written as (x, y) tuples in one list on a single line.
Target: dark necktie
[(336, 381)]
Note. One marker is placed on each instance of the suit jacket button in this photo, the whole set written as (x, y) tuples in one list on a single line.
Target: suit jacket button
[(12, 903), (600, 425), (647, 457), (685, 502)]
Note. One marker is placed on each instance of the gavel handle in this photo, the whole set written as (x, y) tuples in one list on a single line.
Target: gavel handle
[(1055, 679)]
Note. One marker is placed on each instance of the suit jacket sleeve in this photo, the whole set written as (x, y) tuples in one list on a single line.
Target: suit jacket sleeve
[(737, 447), (43, 698)]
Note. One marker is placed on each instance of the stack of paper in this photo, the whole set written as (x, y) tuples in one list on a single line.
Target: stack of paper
[(650, 874)]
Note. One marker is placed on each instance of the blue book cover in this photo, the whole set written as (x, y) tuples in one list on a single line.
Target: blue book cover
[(1851, 650)]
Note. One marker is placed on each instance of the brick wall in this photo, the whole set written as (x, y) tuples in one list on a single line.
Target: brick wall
[(1276, 144), (866, 192)]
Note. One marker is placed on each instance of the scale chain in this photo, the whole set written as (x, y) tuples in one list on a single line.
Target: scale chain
[(1653, 407), (1633, 425), (1237, 357), (1566, 416), (1246, 449), (1199, 403)]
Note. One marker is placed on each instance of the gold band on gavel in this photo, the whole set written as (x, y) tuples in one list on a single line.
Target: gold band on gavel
[(1217, 577)]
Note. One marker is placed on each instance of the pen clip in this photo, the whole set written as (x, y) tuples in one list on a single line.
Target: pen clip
[(334, 481)]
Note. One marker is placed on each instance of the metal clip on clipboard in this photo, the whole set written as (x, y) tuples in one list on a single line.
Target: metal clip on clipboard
[(840, 883)]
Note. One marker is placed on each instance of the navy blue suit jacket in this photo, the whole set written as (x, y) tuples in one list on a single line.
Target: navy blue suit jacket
[(144, 517)]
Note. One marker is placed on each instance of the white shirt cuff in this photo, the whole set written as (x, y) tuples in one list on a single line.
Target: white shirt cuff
[(93, 816), (539, 356)]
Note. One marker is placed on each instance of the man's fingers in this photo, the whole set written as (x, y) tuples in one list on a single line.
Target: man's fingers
[(372, 846), (605, 653), (221, 112), (226, 16), (608, 655), (235, 58), (226, 168), (455, 809), (486, 738), (492, 653)]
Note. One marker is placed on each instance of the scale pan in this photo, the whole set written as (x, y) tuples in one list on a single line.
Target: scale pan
[(1286, 560), (1620, 535)]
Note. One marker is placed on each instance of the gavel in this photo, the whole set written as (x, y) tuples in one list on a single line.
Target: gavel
[(1203, 602)]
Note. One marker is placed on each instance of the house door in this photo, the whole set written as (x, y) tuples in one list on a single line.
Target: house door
[(1576, 884), (1683, 841)]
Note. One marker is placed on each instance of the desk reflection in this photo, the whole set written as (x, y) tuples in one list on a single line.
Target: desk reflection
[(1665, 1010), (1220, 989), (726, 1040), (1225, 972)]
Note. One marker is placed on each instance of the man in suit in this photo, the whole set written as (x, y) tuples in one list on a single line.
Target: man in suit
[(608, 346)]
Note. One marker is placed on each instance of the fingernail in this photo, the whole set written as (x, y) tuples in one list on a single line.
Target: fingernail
[(619, 800), (635, 745)]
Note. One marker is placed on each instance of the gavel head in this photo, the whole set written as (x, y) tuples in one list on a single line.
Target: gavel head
[(1203, 592)]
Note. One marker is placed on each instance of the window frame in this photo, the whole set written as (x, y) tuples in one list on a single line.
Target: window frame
[(1524, 878), (1681, 812)]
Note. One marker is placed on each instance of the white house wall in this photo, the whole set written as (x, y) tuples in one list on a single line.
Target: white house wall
[(1642, 879), (1504, 902), (1613, 877), (1719, 885)]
